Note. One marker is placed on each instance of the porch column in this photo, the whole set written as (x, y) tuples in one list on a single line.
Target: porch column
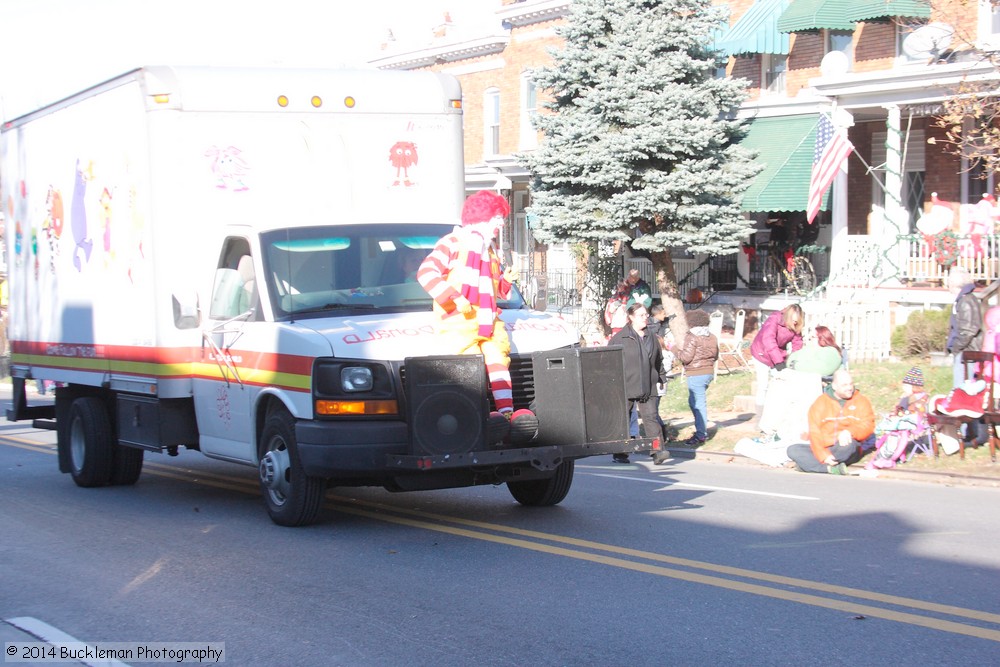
[(839, 252), (887, 270)]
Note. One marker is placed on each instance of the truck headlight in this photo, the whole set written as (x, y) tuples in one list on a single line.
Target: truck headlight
[(354, 388), (356, 378)]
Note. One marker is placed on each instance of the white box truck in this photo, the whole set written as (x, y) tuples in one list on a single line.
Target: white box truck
[(217, 258)]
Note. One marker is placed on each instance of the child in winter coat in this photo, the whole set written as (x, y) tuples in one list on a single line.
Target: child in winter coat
[(907, 420)]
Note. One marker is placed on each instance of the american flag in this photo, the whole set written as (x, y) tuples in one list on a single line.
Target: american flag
[(832, 148)]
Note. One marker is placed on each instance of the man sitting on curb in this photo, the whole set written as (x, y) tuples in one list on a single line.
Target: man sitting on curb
[(841, 425)]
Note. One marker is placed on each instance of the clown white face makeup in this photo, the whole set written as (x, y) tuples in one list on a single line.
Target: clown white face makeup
[(489, 229), (495, 225)]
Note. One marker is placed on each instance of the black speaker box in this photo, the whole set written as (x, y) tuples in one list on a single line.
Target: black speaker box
[(446, 404), (580, 395)]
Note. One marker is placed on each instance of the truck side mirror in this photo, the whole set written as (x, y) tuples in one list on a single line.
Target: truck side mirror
[(186, 312)]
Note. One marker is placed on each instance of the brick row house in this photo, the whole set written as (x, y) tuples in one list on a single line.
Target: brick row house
[(879, 69)]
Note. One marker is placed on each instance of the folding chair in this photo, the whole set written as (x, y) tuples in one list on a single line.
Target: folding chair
[(732, 346), (970, 362), (715, 328)]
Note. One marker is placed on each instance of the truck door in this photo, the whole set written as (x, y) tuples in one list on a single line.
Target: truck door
[(223, 395)]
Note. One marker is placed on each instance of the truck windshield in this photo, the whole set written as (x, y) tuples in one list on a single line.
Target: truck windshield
[(316, 271)]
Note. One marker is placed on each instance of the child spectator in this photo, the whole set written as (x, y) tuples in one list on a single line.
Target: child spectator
[(907, 420), (615, 311)]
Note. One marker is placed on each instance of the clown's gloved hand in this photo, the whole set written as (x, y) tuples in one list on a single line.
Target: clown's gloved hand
[(462, 305), (511, 275)]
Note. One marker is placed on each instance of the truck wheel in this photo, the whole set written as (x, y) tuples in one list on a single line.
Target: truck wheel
[(544, 492), (127, 465), (90, 442), (292, 497)]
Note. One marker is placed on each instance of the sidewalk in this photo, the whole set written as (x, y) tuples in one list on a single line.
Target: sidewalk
[(732, 426)]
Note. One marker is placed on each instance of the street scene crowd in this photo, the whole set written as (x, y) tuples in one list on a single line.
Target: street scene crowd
[(808, 412)]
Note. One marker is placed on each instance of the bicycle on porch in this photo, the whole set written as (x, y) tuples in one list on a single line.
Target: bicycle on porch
[(789, 274), (787, 270)]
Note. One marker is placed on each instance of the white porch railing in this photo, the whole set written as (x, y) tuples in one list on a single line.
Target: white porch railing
[(913, 259), (978, 256)]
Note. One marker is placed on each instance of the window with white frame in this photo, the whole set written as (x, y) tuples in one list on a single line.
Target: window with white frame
[(977, 178), (491, 122), (840, 40), (529, 107), (989, 23), (522, 237), (773, 69)]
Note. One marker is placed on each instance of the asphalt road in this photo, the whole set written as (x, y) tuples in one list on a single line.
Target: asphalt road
[(689, 563)]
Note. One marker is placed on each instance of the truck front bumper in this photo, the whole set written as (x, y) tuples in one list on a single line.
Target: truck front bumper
[(338, 449), (545, 457), (363, 449)]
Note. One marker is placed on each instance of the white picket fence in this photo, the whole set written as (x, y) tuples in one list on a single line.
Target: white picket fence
[(864, 329)]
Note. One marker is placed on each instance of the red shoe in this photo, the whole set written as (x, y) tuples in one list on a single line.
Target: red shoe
[(523, 427)]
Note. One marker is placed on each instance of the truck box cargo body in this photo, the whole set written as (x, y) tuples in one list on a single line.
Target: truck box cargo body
[(222, 259)]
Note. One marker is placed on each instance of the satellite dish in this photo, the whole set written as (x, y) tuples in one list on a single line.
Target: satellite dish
[(834, 63), (928, 41)]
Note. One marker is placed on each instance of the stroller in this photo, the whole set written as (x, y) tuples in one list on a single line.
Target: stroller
[(895, 434)]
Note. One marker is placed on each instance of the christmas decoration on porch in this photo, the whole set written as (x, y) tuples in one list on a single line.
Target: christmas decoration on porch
[(944, 247)]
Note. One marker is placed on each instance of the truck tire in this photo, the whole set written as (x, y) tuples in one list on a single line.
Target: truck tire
[(292, 497), (544, 492), (127, 465), (91, 443)]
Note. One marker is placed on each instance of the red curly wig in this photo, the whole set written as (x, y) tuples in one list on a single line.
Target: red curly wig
[(483, 207)]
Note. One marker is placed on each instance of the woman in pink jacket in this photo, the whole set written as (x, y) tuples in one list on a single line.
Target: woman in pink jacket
[(770, 347)]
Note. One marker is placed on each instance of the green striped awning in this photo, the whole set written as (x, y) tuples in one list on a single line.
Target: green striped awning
[(785, 146), (808, 15), (757, 31), (865, 10)]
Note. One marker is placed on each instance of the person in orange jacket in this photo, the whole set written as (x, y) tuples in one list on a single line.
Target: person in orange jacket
[(841, 427), (463, 276)]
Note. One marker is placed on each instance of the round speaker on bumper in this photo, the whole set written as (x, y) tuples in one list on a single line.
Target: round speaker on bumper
[(447, 423), (447, 404)]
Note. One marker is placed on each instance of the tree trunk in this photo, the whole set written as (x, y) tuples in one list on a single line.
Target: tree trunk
[(670, 297)]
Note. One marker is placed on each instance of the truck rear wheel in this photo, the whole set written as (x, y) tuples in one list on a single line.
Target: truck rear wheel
[(91, 444), (292, 497), (127, 465), (544, 492)]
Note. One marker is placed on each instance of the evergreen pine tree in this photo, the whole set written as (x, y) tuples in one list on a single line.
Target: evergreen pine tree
[(639, 135)]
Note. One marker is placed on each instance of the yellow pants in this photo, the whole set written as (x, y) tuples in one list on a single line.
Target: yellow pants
[(462, 332)]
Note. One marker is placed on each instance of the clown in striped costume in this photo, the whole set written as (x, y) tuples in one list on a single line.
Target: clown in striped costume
[(463, 276)]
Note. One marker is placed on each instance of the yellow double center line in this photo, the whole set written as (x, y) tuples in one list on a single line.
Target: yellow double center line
[(853, 601)]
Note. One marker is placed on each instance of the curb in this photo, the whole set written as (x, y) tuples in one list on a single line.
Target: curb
[(926, 476), (737, 421)]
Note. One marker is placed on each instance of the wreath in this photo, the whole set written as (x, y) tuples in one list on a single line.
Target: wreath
[(946, 248)]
